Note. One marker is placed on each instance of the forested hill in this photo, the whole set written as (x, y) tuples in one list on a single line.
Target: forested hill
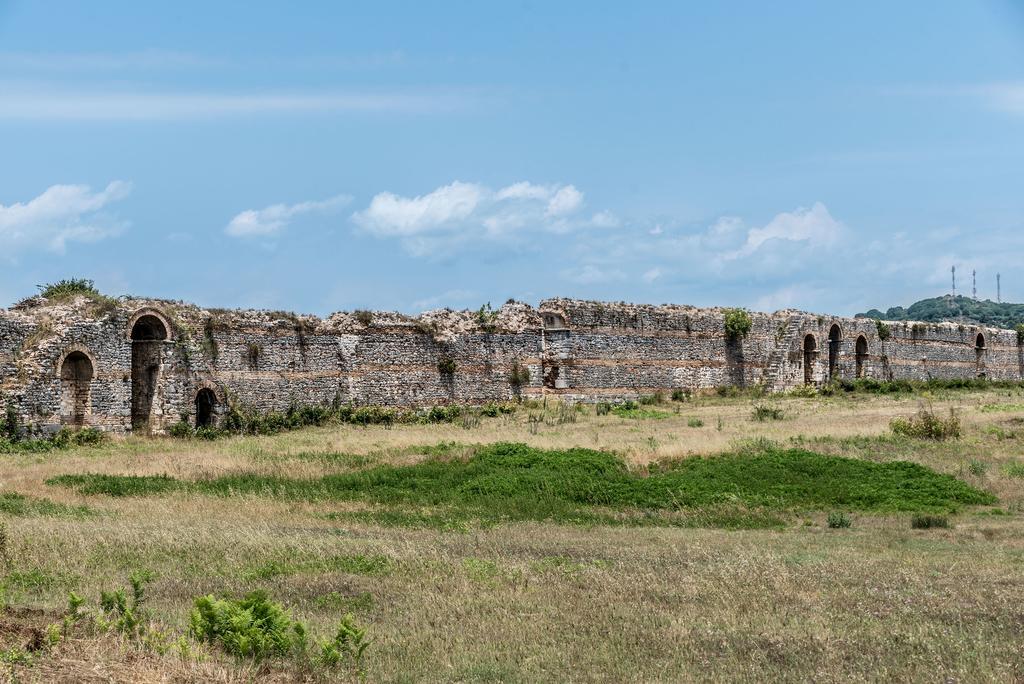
[(956, 309)]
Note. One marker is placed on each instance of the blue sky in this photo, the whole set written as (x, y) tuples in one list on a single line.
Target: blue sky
[(824, 156)]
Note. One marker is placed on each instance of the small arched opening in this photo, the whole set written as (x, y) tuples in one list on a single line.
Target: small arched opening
[(979, 353), (148, 334), (206, 405), (76, 374), (554, 321), (835, 338), (810, 353), (861, 351)]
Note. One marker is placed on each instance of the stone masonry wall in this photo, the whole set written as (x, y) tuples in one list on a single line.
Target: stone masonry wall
[(575, 350)]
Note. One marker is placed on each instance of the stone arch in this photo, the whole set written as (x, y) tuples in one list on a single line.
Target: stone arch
[(206, 407), (554, 321), (861, 353), (810, 350), (835, 339), (979, 354), (77, 370), (148, 330)]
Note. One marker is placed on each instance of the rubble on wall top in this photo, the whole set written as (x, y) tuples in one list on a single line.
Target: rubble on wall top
[(442, 324)]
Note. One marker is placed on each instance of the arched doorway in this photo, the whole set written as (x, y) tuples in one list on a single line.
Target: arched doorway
[(979, 352), (835, 338), (76, 374), (810, 352), (148, 335), (206, 403), (861, 351)]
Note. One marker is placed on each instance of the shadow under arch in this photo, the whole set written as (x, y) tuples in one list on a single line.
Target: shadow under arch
[(148, 330), (77, 371), (810, 349)]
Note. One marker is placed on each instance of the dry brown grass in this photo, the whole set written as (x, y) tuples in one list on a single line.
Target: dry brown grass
[(545, 602)]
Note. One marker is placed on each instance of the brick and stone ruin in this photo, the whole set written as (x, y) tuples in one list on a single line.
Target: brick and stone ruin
[(142, 365)]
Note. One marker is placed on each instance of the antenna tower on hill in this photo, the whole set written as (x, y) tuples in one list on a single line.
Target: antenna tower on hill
[(974, 285), (954, 281), (999, 288)]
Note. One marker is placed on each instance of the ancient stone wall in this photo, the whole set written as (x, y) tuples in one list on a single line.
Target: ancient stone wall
[(144, 363)]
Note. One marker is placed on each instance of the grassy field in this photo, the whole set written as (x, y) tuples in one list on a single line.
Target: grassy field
[(680, 541)]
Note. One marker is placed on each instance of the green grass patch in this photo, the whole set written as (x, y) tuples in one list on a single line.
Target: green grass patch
[(1000, 408), (508, 482), (19, 505), (1014, 469), (639, 413)]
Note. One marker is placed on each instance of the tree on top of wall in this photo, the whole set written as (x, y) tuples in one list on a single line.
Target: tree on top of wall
[(737, 324)]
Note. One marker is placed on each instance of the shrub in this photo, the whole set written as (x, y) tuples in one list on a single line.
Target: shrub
[(518, 375), (486, 317), (976, 467), (838, 520), (446, 365), (253, 352), (181, 430), (737, 324), (63, 289), (927, 425), (348, 644), (680, 395), (11, 425), (125, 613), (764, 412), (1020, 334), (884, 331), (603, 408), (365, 318), (804, 391), (695, 423), (926, 522), (252, 627)]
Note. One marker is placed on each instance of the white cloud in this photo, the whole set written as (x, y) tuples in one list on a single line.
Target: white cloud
[(651, 275), (47, 103), (589, 274), (565, 201), (461, 213), (61, 214), (390, 215), (605, 219), (271, 220), (814, 226), (448, 298)]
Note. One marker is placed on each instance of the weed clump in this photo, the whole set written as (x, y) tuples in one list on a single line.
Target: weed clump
[(927, 522), (252, 627), (927, 425), (837, 520), (764, 412), (257, 628), (680, 395)]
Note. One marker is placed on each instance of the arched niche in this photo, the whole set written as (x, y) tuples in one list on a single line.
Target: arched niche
[(835, 339), (148, 330), (810, 350), (206, 407), (861, 351), (77, 370)]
